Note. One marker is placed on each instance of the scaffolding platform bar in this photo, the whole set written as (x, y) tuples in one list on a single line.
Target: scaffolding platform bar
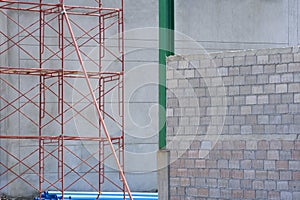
[(57, 72), (55, 8), (58, 138)]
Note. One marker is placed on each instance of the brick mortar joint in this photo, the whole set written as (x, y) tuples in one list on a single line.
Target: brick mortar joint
[(252, 137)]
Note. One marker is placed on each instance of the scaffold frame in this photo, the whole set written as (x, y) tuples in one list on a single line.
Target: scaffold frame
[(56, 50)]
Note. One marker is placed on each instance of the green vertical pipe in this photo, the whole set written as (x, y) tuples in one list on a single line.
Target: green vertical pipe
[(166, 48)]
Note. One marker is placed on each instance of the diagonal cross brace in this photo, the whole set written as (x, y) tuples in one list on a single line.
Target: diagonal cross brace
[(95, 102)]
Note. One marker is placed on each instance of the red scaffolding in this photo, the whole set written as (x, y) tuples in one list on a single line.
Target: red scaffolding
[(62, 96)]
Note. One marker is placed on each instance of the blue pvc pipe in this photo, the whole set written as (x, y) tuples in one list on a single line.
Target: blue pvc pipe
[(55, 195)]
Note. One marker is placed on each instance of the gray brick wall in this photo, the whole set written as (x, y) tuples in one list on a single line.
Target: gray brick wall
[(233, 125)]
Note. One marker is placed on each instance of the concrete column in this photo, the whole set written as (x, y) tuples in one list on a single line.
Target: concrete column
[(293, 22), (12, 124), (3, 62), (3, 27), (163, 174)]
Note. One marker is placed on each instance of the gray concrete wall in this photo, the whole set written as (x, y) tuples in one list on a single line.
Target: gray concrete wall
[(233, 125), (210, 25), (234, 24), (141, 134)]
